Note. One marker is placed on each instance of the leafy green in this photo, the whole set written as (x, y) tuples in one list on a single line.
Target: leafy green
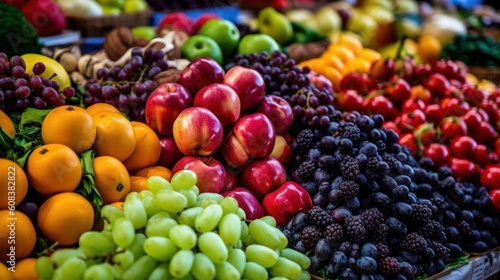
[(87, 186)]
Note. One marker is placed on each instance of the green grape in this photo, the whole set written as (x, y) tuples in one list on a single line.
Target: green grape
[(241, 213), (196, 190), (188, 216), (304, 275), (254, 271), (204, 203), (73, 268), (296, 256), (159, 216), (183, 179), (213, 246), (137, 246), (285, 268), (229, 205), (208, 195), (244, 230), (109, 213), (226, 271), (160, 227), (181, 263), (123, 232), (238, 244), (249, 240), (270, 220), (90, 252), (144, 193), (100, 271), (278, 278), (191, 197), (170, 201), (102, 241), (283, 240), (160, 272), (203, 268), (237, 258), (124, 259), (44, 268), (160, 248), (134, 211), (264, 234), (141, 268), (209, 218), (262, 255), (183, 236), (156, 183), (229, 230), (150, 206), (62, 255)]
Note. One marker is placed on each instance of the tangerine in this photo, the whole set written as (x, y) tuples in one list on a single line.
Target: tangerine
[(429, 48), (118, 204), (350, 41), (6, 124), (71, 126), (359, 65), (147, 148), (16, 226), (64, 217), (101, 107), (115, 136), (25, 270), (155, 171), (334, 76), (370, 55), (5, 274), (53, 168), (138, 184), (111, 179), (14, 184), (342, 52)]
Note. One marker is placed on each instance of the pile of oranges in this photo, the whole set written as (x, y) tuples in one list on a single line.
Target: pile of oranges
[(126, 153)]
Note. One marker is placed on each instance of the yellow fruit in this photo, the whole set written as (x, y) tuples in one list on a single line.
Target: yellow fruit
[(25, 270), (6, 124), (14, 184), (115, 136), (97, 108), (111, 179), (147, 148), (53, 69), (429, 48), (14, 225)]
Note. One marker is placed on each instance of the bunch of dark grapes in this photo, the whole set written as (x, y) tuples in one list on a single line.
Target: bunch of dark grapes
[(128, 87), (367, 219), (312, 107), (19, 90)]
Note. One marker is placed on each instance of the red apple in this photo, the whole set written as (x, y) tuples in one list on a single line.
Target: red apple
[(210, 172), (282, 151), (197, 131), (247, 202), (198, 23), (248, 84), (222, 100), (164, 105), (252, 136), (200, 73), (278, 110), (179, 20), (263, 176), (232, 180), (170, 154)]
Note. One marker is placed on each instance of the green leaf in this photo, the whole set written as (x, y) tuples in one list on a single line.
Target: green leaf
[(87, 186), (32, 117)]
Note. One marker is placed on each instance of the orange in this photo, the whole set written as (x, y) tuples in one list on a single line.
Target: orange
[(370, 55), (147, 148), (6, 124), (334, 76), (13, 182), (64, 217), (155, 171), (71, 126), (138, 183), (115, 136), (53, 168), (97, 108), (334, 61), (429, 48), (25, 269), (351, 42), (342, 52), (111, 179), (118, 204), (316, 64), (5, 274), (360, 65), (17, 236)]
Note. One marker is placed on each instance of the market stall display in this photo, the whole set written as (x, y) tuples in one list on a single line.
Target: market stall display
[(332, 140)]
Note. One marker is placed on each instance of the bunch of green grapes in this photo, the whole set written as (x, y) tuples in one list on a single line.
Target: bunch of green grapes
[(173, 231)]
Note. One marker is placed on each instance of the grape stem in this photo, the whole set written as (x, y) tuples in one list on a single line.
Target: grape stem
[(49, 250)]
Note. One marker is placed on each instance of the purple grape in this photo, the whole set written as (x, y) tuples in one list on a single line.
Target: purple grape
[(55, 85), (4, 56), (58, 102), (122, 75), (49, 94), (150, 85), (133, 100), (2, 97), (9, 95), (136, 62), (136, 52), (38, 68), (89, 100), (21, 104), (23, 92), (155, 70), (158, 54), (122, 100), (35, 82), (20, 82), (17, 61), (94, 89), (38, 103), (46, 82), (139, 88), (109, 92), (4, 65), (101, 74), (69, 92), (163, 64), (17, 71), (30, 209)]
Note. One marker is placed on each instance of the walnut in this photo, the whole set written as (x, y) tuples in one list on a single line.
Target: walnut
[(167, 76), (302, 52), (117, 42)]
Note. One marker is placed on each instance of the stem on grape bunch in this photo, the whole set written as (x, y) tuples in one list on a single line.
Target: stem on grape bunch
[(48, 251)]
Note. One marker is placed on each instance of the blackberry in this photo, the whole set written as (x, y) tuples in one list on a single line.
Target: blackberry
[(354, 228), (392, 161), (305, 171), (441, 251), (440, 205), (444, 171), (414, 243), (389, 266), (426, 163), (372, 164), (348, 189), (318, 217), (465, 228), (372, 218), (349, 168), (446, 184), (345, 247), (310, 235), (428, 229), (350, 131), (381, 145), (382, 249), (334, 233), (305, 139), (380, 233), (421, 213)]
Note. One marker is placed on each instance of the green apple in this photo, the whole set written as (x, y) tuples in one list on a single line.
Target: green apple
[(144, 32), (111, 3), (275, 24), (257, 43), (201, 46), (111, 10), (224, 32), (134, 6), (327, 20)]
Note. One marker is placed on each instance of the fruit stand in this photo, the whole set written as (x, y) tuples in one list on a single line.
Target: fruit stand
[(144, 139)]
